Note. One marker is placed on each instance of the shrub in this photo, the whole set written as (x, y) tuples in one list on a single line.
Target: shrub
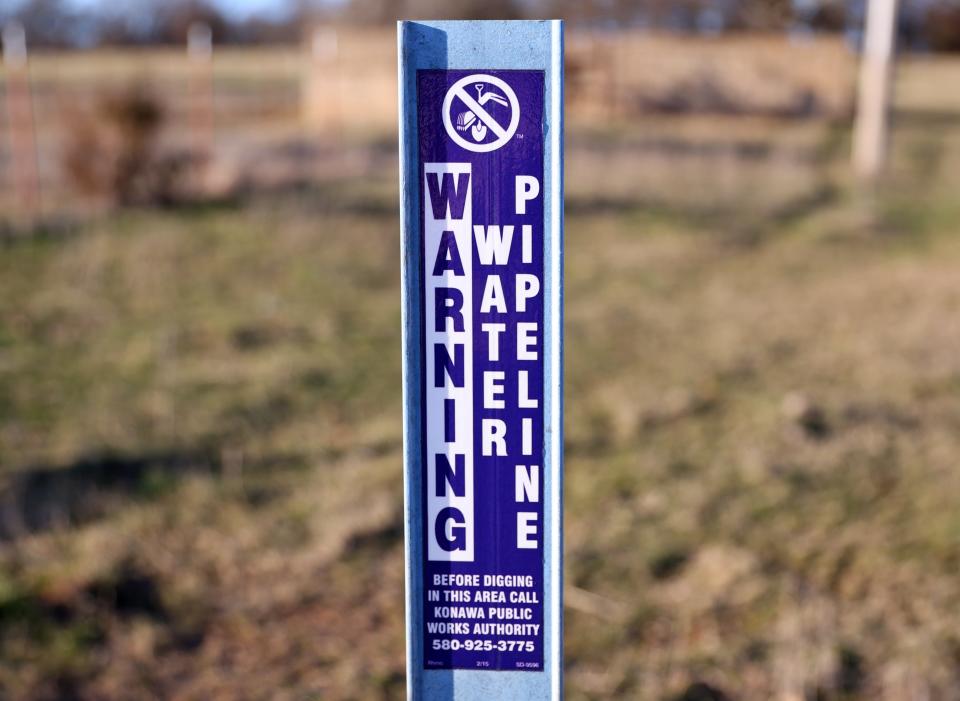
[(943, 27), (112, 150)]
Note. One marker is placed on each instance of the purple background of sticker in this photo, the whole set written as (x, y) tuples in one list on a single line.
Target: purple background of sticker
[(495, 508)]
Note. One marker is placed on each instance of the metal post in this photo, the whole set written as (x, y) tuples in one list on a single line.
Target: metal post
[(873, 102), (481, 178), (23, 146)]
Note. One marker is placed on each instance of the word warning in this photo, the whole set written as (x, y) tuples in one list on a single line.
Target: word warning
[(481, 171)]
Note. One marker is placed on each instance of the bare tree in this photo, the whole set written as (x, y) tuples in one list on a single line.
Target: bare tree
[(47, 22), (383, 11), (764, 14)]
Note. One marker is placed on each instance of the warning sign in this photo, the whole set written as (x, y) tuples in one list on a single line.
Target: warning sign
[(482, 317)]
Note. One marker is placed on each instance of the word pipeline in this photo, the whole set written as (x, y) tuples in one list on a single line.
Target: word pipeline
[(482, 369)]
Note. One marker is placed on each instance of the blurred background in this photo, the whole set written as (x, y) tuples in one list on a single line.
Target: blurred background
[(200, 412)]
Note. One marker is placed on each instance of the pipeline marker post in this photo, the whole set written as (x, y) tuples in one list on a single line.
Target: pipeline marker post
[(481, 180), (22, 136)]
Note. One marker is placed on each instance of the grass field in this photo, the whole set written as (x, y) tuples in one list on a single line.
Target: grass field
[(200, 431)]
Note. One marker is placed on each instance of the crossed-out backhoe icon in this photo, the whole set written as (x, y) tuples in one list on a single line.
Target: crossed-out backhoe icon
[(468, 120)]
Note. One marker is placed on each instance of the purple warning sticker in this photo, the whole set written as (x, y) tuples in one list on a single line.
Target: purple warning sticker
[(481, 138)]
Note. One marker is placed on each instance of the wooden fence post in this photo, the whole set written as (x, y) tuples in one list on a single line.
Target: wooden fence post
[(200, 56), (870, 139), (22, 138), (321, 88)]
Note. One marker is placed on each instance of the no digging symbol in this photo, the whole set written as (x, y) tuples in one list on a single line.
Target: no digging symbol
[(475, 110)]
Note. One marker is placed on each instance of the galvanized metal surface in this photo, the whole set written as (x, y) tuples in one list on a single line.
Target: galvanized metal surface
[(495, 46)]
